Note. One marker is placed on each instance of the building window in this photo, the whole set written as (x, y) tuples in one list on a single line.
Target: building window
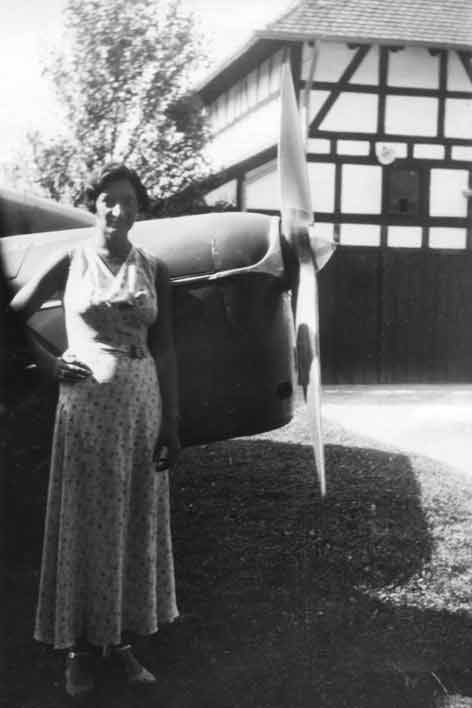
[(252, 88), (244, 105), (275, 71), (260, 84), (264, 77), (403, 192)]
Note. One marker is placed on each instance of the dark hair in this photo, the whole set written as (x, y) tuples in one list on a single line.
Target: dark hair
[(112, 172)]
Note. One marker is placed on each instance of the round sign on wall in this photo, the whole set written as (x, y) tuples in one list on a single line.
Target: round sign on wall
[(385, 152)]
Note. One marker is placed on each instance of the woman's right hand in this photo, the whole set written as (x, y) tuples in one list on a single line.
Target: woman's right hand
[(71, 371), (168, 447)]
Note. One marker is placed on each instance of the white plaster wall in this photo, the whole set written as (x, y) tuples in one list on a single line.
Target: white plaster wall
[(360, 235), (447, 238), (324, 230), (353, 147), (333, 59), (413, 67), (319, 145), (460, 152), (252, 133), (423, 151), (316, 100), (322, 182), (352, 112), (404, 236), (411, 115), (458, 120), (261, 189), (368, 71), (457, 79), (361, 190), (224, 193), (446, 197)]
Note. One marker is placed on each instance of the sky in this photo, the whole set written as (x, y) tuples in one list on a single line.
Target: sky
[(29, 29)]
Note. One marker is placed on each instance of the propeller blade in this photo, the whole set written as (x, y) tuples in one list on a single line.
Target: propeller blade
[(297, 216), (295, 196), (308, 347), (295, 193), (322, 248)]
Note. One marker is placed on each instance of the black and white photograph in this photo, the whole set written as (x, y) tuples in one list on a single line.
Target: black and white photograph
[(236, 353)]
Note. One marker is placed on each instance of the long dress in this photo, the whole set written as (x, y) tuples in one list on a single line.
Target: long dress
[(107, 564)]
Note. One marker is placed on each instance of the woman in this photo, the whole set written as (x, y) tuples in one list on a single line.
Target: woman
[(107, 567)]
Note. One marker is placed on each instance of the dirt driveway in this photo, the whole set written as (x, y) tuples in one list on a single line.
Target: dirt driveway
[(434, 421)]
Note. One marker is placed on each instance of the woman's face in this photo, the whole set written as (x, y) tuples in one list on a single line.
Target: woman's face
[(116, 208)]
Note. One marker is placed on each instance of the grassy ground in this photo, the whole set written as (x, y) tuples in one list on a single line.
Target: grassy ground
[(362, 600)]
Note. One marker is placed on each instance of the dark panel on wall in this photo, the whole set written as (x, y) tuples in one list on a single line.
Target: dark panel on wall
[(427, 314), (349, 316), (408, 321), (396, 316)]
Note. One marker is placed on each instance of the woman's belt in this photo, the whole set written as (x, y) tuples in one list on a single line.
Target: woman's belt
[(133, 351)]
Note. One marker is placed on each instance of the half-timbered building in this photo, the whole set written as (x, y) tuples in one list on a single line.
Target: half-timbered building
[(386, 89)]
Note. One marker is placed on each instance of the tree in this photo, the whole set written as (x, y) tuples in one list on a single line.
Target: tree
[(124, 82)]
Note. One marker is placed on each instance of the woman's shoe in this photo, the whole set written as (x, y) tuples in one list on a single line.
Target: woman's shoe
[(79, 678), (134, 671)]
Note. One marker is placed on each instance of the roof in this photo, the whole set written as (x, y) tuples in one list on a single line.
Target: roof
[(434, 23)]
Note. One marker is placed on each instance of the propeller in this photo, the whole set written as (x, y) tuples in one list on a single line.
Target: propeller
[(308, 253)]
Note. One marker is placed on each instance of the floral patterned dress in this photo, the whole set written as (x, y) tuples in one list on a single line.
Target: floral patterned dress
[(107, 564)]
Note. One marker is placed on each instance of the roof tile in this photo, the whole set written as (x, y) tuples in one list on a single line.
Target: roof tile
[(436, 22)]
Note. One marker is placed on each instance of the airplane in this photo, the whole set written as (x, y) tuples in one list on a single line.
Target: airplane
[(240, 280)]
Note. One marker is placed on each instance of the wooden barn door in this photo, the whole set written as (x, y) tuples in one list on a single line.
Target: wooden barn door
[(396, 316)]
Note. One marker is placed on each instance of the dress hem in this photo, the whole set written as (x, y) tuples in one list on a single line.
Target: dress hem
[(100, 644)]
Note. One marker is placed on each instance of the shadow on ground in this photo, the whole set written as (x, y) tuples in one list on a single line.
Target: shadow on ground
[(274, 585)]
